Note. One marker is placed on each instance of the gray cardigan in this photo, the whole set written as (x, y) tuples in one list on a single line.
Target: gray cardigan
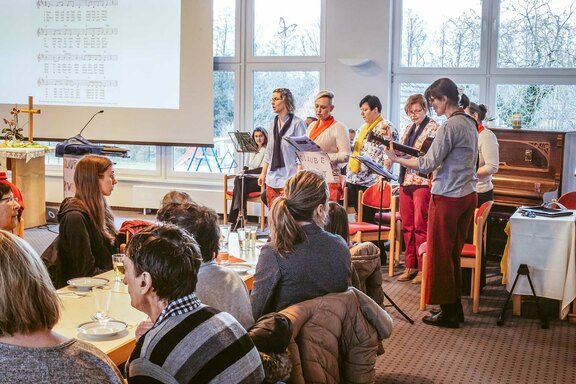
[(320, 265)]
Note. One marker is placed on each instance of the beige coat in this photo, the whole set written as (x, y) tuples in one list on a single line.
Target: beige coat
[(346, 327)]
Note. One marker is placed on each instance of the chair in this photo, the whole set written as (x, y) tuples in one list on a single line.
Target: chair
[(253, 197), (471, 257), (385, 217), (568, 200), (361, 231)]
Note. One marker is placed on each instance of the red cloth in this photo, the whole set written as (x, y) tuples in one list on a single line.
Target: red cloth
[(448, 222), (272, 193), (414, 202), (134, 226), (15, 191)]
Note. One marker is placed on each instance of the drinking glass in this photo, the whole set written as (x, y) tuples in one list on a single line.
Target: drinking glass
[(243, 238), (253, 231), (118, 264), (102, 298), (223, 255)]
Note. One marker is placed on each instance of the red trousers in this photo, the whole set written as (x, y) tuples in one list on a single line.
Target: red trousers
[(414, 202), (448, 222)]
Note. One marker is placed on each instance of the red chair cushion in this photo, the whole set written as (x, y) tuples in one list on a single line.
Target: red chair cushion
[(422, 249), (481, 210), (469, 250), (371, 196), (365, 227)]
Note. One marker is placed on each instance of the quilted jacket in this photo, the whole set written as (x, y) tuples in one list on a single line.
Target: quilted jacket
[(335, 338)]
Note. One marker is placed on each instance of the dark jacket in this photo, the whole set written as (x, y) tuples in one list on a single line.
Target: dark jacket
[(82, 249)]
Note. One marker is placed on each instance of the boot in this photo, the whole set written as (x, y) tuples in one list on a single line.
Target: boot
[(409, 274)]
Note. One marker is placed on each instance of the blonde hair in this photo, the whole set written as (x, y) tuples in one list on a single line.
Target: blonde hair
[(304, 192), (87, 175), (327, 94), (28, 301)]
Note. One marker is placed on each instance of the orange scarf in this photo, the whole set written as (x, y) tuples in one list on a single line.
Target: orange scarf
[(480, 128), (320, 127)]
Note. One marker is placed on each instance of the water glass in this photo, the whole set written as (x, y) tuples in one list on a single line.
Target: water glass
[(224, 235), (118, 264), (102, 298), (243, 239), (253, 231)]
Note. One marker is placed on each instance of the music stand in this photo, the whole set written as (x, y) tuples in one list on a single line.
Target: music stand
[(243, 143), (384, 174)]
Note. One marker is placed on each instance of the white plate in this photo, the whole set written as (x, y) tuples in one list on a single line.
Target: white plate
[(95, 329), (87, 283), (251, 271), (239, 268)]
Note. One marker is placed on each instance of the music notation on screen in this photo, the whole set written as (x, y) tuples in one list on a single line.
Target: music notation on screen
[(76, 31), (70, 57), (78, 82), (75, 3)]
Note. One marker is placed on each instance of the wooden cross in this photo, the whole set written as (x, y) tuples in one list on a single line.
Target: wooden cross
[(30, 111)]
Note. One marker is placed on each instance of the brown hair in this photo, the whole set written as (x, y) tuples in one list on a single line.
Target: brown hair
[(28, 301), (446, 87), (337, 222), (415, 99), (199, 221), (304, 192), (88, 172), (170, 255), (287, 97)]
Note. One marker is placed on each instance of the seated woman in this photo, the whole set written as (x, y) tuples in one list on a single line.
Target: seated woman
[(9, 208), (175, 197), (302, 261), (366, 264), (254, 167), (87, 232), (29, 350), (217, 287)]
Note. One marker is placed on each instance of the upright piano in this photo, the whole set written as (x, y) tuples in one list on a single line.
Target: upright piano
[(535, 167)]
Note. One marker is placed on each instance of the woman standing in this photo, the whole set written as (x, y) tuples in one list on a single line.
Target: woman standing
[(280, 157), (453, 155), (488, 157), (256, 159), (415, 189), (87, 232), (302, 260), (332, 137)]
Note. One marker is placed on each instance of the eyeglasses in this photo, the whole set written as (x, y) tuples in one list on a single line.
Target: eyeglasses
[(8, 199), (415, 112), (276, 98)]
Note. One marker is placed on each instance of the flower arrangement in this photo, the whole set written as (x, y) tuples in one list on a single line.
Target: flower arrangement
[(13, 132)]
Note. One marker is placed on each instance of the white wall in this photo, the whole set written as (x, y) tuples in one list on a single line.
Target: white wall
[(358, 29), (354, 29)]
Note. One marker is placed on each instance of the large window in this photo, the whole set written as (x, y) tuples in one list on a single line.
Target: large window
[(515, 56)]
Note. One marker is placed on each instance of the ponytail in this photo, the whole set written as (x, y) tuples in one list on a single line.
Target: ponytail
[(285, 232)]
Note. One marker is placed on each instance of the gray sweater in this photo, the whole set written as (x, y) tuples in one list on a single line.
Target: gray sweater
[(70, 362), (453, 154), (223, 289), (320, 265)]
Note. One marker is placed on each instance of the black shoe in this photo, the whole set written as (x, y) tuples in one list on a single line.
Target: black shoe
[(441, 320), (460, 313)]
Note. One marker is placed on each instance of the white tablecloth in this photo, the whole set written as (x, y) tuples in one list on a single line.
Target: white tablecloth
[(22, 153), (547, 246)]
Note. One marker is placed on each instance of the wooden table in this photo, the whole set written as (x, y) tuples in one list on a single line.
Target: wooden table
[(28, 174)]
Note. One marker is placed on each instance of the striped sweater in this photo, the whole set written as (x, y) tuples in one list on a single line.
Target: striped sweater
[(200, 346)]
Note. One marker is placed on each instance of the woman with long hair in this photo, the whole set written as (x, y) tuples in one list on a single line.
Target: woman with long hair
[(452, 156), (302, 261), (87, 232), (253, 169), (30, 351)]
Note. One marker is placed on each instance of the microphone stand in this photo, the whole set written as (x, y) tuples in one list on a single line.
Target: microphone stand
[(244, 143)]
